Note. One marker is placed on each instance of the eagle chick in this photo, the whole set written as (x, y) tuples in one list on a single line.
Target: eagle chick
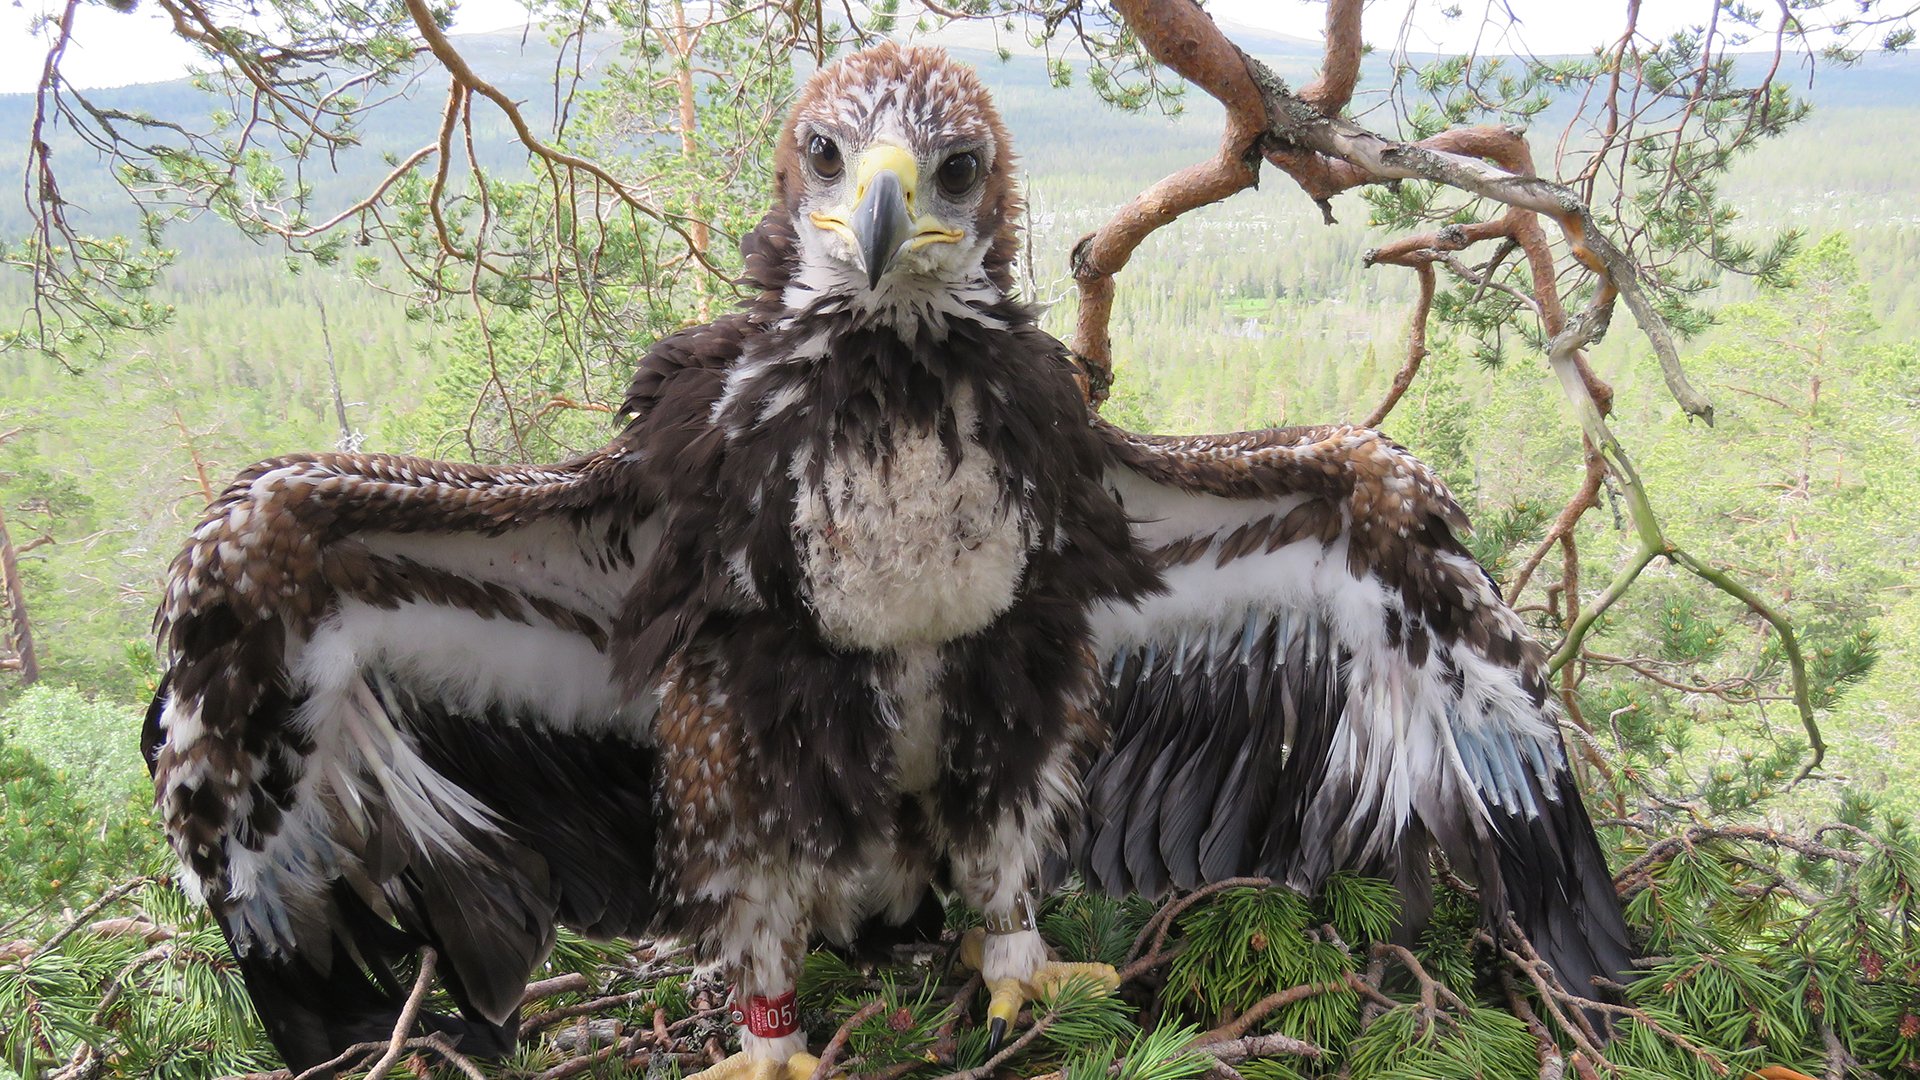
[(861, 601)]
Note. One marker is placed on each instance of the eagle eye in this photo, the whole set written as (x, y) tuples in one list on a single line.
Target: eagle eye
[(959, 173), (823, 157)]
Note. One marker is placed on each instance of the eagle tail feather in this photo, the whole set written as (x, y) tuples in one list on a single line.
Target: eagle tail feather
[(321, 997), (1561, 893)]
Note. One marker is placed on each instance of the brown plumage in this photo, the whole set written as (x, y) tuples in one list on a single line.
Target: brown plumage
[(860, 601)]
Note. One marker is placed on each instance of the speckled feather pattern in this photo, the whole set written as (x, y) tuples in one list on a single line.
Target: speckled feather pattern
[(860, 599), (1342, 685)]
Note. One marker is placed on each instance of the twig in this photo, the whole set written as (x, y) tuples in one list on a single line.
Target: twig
[(551, 1017), (1007, 1053), (588, 1062), (336, 1063), (1161, 924), (1267, 1006), (409, 1013), (1416, 349), (1653, 541), (1553, 1064), (570, 983), (1789, 643), (1520, 952), (1432, 990), (1839, 1061), (1258, 1046), (839, 1041), (1583, 500), (380, 189), (1574, 1023), (1664, 849), (463, 73), (86, 915)]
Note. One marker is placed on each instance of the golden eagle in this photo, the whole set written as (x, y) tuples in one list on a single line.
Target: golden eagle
[(862, 601)]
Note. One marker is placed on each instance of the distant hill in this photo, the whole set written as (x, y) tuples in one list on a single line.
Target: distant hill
[(523, 65), (1080, 158)]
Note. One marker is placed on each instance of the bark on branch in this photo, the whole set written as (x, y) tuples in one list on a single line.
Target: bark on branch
[(13, 596), (1304, 135)]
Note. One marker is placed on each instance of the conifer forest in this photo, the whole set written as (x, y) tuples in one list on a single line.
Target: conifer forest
[(1651, 309)]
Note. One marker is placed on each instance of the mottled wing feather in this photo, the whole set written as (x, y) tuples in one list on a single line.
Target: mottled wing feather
[(1329, 682), (393, 717)]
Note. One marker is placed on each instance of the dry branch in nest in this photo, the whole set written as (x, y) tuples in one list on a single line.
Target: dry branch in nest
[(586, 1037)]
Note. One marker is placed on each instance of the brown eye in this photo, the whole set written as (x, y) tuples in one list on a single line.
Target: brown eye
[(959, 173), (824, 157)]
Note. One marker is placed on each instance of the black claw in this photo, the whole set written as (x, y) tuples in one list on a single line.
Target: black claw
[(996, 1034)]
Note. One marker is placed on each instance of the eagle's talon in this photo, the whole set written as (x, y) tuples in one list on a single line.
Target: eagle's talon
[(1009, 995), (1003, 1007), (996, 1033), (741, 1066), (744, 1066)]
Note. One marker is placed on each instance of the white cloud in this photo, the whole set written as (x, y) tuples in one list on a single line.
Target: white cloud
[(107, 48)]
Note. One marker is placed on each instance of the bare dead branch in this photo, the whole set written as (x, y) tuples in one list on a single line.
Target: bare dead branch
[(1234, 1029), (85, 917), (1571, 1010), (1248, 1047), (570, 983), (1161, 924), (1416, 349), (1358, 156), (463, 73)]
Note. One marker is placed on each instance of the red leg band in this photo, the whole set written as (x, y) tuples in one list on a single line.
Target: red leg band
[(769, 1018)]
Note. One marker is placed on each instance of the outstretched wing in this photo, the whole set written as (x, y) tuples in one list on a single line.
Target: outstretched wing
[(1330, 682), (391, 719)]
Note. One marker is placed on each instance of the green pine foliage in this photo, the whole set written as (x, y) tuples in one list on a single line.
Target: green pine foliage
[(1403, 1045), (1094, 928), (69, 833)]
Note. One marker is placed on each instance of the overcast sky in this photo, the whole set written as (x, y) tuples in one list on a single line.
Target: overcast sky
[(112, 49)]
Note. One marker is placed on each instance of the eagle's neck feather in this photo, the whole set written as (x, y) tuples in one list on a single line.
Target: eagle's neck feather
[(910, 306)]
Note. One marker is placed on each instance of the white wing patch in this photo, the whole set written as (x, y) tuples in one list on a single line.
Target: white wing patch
[(1445, 738)]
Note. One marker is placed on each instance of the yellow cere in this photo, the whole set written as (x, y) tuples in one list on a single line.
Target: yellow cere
[(927, 229)]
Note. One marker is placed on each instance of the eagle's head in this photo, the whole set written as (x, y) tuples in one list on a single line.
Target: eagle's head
[(898, 178)]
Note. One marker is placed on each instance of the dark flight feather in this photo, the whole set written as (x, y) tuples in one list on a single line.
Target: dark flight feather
[(1296, 702)]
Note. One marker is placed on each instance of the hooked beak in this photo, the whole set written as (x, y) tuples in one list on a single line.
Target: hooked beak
[(881, 223)]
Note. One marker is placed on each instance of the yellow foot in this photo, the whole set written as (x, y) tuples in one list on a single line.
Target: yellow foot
[(1047, 979), (742, 1066), (1009, 995)]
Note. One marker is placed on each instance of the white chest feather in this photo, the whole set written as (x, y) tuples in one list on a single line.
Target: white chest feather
[(908, 548), (911, 689)]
